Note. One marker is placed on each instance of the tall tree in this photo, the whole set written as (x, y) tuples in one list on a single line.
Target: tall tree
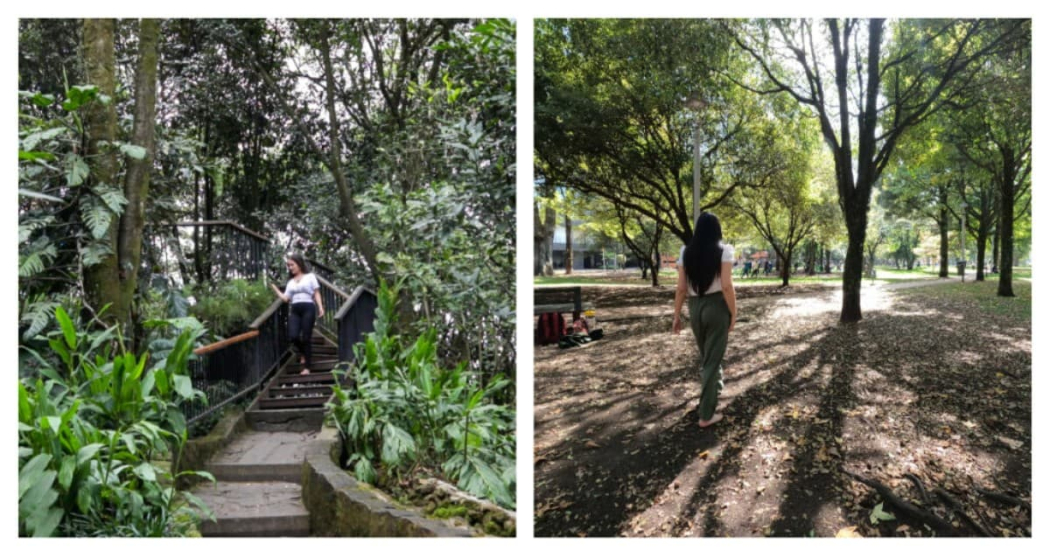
[(870, 91), (139, 159), (997, 138), (101, 280), (620, 103)]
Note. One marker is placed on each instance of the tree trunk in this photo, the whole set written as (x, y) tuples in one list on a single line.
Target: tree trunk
[(550, 218), (654, 254), (543, 236), (1006, 226), (101, 281), (942, 227), (136, 179), (785, 267), (982, 244), (568, 245), (995, 248), (853, 267), (347, 208)]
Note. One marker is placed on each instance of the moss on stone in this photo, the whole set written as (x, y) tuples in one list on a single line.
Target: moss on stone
[(450, 510)]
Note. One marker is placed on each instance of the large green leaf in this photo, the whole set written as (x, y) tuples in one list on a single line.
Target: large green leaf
[(32, 472), (184, 386), (398, 445), (38, 195), (68, 331), (78, 170), (30, 142), (136, 152), (78, 96), (98, 219)]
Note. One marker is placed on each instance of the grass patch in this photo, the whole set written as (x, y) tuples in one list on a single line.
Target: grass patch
[(981, 297)]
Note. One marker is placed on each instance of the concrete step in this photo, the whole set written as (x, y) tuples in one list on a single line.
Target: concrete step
[(285, 420), (261, 456), (254, 509)]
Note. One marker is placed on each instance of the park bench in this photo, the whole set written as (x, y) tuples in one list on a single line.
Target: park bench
[(560, 299)]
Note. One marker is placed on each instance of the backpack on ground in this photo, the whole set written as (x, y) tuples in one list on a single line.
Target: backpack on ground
[(550, 329)]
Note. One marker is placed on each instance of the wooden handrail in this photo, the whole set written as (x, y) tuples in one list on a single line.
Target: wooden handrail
[(207, 349), (313, 262), (234, 225), (331, 286), (351, 300), (274, 306)]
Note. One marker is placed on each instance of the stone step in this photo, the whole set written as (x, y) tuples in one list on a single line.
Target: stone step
[(261, 456), (285, 420), (254, 509)]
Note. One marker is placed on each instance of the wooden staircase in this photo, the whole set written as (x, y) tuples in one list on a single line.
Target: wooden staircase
[(290, 390)]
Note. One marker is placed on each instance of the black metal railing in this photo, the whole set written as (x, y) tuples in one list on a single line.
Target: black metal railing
[(208, 250), (233, 368), (354, 320), (321, 270), (333, 299)]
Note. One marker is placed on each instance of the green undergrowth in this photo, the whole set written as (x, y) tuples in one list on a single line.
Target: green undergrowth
[(97, 427), (409, 416)]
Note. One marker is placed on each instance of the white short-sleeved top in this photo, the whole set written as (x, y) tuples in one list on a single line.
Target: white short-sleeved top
[(716, 285), (302, 290)]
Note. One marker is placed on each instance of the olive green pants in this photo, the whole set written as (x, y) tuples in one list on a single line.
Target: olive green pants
[(709, 318)]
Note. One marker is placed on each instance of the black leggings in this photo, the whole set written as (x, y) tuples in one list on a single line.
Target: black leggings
[(301, 318)]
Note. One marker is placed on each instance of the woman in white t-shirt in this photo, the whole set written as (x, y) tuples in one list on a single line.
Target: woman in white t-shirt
[(304, 293), (705, 275)]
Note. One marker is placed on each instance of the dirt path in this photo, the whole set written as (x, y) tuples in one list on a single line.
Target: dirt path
[(919, 387)]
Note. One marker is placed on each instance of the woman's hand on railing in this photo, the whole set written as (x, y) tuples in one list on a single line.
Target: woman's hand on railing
[(279, 293)]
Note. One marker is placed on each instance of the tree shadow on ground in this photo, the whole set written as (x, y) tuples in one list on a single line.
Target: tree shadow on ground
[(904, 391)]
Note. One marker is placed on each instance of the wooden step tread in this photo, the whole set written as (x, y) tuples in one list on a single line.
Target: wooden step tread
[(290, 378), (299, 390), (295, 402)]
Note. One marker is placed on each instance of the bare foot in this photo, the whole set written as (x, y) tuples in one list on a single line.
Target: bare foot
[(714, 419), (304, 371)]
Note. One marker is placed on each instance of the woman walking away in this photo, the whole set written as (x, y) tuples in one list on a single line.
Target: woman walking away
[(705, 275), (304, 292)]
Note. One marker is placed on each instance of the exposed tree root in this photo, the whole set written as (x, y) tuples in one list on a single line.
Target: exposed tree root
[(920, 487), (957, 508), (936, 523), (1003, 498)]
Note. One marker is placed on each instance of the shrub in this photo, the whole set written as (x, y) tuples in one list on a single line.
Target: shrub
[(229, 307), (407, 412), (92, 432)]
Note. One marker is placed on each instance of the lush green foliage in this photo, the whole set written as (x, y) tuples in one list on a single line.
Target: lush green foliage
[(229, 307), (93, 432), (407, 412)]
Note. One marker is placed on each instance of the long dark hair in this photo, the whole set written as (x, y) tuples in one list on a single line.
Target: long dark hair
[(703, 254), (298, 259)]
